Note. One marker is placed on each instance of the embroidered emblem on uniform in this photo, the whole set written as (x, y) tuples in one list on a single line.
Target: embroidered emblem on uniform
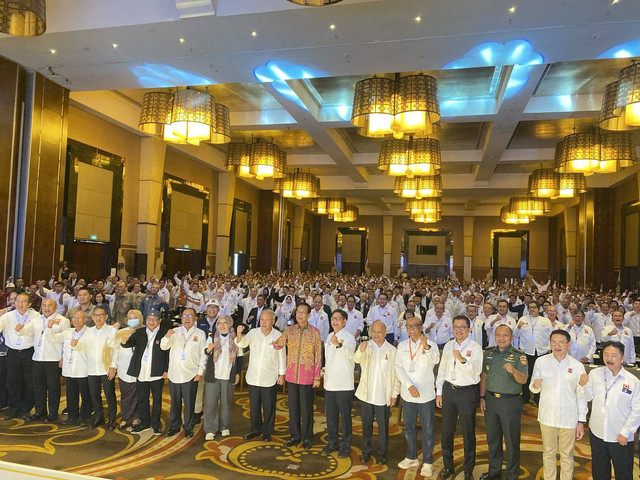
[(195, 339), (468, 353), (523, 360), (625, 389), (445, 325)]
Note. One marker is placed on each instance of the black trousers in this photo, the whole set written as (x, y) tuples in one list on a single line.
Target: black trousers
[(46, 382), (20, 380), (4, 395), (381, 414), (97, 383), (603, 454), (76, 388), (182, 393), (338, 404), (459, 403), (300, 398), (142, 407), (502, 418), (526, 393), (262, 409)]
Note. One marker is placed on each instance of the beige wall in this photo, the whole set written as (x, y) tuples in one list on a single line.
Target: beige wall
[(625, 193), (249, 194), (329, 229)]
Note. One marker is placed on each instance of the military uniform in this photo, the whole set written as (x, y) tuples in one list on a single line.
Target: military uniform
[(503, 409)]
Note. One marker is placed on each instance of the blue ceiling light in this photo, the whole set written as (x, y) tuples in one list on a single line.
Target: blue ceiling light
[(277, 72), (623, 50), (158, 75)]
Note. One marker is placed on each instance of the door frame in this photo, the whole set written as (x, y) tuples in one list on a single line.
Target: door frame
[(364, 246), (524, 250)]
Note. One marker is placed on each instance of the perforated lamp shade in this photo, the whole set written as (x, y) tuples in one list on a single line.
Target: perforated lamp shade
[(23, 18), (394, 157), (530, 206), (283, 186), (221, 131), (609, 120), (579, 153), (544, 182), (514, 218), (418, 187), (237, 159), (432, 217), (417, 110), (617, 151), (349, 214), (571, 184), (305, 185), (628, 98), (192, 117), (263, 159), (373, 107), (424, 205), (324, 205), (424, 156), (155, 112)]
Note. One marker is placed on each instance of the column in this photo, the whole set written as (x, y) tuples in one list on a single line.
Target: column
[(226, 194), (467, 229), (152, 153), (571, 243), (298, 227), (387, 241)]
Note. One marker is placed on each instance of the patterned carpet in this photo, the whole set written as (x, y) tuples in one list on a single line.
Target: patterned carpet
[(123, 455)]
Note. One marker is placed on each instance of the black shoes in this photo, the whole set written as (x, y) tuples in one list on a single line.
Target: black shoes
[(487, 476), (171, 432), (251, 435), (111, 426), (307, 444), (157, 431), (344, 453), (96, 423), (266, 438), (140, 428), (468, 476), (70, 421), (188, 434), (51, 418), (381, 460), (293, 442), (364, 458), (327, 450), (197, 417), (445, 473)]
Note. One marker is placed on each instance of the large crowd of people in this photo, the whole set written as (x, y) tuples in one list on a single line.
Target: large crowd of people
[(467, 348)]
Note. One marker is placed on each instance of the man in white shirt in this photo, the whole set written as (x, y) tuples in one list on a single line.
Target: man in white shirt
[(338, 384), (477, 325), (386, 314), (599, 320), (46, 360), (559, 379), (19, 357), (632, 320), (415, 359), (266, 370), (457, 394), (497, 319), (58, 294), (248, 303), (438, 327), (100, 346), (319, 318), (186, 367), (583, 340), (355, 322), (378, 389), (615, 414), (532, 337), (618, 333)]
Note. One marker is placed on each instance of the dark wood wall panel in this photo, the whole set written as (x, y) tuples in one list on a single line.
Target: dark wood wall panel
[(604, 204), (267, 222), (11, 98), (43, 224)]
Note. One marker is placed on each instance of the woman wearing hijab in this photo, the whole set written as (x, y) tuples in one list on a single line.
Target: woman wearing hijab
[(284, 313), (224, 364)]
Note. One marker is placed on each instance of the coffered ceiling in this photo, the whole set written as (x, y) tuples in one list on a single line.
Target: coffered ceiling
[(514, 78)]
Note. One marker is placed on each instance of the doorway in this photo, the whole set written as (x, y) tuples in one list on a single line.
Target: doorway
[(510, 254), (351, 250)]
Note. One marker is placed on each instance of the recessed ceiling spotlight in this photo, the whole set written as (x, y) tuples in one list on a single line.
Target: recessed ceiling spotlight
[(254, 34), (418, 19), (332, 27), (53, 51), (512, 9), (115, 45), (181, 40), (614, 2)]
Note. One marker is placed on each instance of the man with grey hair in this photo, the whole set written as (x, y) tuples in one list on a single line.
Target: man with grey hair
[(266, 370)]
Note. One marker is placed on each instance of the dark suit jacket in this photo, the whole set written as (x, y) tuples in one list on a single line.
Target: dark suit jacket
[(159, 357), (253, 320)]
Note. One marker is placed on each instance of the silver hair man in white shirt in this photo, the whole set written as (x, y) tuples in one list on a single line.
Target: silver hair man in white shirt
[(338, 384), (559, 379), (583, 339), (458, 395), (615, 414), (266, 370), (377, 390)]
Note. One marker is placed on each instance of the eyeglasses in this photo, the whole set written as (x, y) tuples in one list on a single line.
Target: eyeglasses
[(558, 344), (188, 315), (460, 327), (413, 325)]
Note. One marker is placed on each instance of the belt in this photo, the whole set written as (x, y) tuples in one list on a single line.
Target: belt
[(503, 395), (458, 387)]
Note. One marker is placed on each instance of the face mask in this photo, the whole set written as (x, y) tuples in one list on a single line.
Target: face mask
[(133, 322)]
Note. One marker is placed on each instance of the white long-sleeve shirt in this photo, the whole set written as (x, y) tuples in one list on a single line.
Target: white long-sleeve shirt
[(624, 336), (616, 404), (339, 364), (186, 358), (491, 330), (583, 342), (378, 380), (562, 403), (632, 320), (265, 362), (387, 315), (320, 320), (355, 322), (442, 330), (533, 335), (458, 373), (74, 362), (45, 350), (414, 367), (93, 342), (475, 333), (8, 323)]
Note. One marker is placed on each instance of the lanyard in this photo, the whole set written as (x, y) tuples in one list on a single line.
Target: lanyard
[(411, 354), (607, 389)]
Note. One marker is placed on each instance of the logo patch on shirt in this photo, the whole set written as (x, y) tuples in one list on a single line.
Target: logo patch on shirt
[(586, 330), (446, 326), (626, 389), (523, 360), (570, 370), (468, 353), (195, 339)]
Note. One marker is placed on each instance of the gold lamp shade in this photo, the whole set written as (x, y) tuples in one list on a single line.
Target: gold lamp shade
[(314, 3), (305, 185), (417, 110), (263, 159), (237, 159), (530, 206), (221, 131), (23, 18), (281, 165), (373, 107), (349, 214), (424, 157), (513, 218), (331, 206), (394, 157), (424, 205), (192, 117), (617, 151), (628, 98), (579, 153), (432, 217), (609, 120), (571, 184), (544, 182), (418, 187), (283, 186), (155, 112)]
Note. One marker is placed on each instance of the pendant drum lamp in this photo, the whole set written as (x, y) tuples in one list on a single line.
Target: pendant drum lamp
[(544, 182), (155, 112), (23, 18)]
